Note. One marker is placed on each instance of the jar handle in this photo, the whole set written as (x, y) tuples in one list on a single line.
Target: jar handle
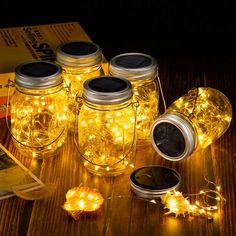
[(162, 94), (8, 126), (135, 104)]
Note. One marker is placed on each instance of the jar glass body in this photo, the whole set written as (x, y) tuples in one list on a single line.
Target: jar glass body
[(193, 121), (74, 78), (207, 110), (80, 61), (141, 70), (39, 120), (145, 93), (106, 136)]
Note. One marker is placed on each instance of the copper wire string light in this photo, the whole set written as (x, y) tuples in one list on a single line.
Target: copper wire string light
[(207, 200), (82, 201)]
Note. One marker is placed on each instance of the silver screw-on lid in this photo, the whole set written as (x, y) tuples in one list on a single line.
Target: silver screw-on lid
[(38, 75), (107, 90), (79, 54), (133, 66), (173, 137), (150, 182)]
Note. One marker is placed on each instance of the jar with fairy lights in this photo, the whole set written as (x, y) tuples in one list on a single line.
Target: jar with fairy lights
[(106, 126), (39, 108), (80, 61), (193, 121), (141, 70)]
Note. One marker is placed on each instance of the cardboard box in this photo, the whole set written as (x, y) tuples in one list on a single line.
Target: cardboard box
[(39, 42)]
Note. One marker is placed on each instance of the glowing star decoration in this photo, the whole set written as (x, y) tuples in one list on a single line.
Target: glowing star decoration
[(83, 201)]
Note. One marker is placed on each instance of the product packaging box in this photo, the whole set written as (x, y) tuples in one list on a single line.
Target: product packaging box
[(21, 44)]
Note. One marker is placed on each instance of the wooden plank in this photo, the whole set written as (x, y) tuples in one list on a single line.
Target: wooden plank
[(224, 149)]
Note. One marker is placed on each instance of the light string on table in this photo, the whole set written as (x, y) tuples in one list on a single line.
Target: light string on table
[(86, 201), (178, 204)]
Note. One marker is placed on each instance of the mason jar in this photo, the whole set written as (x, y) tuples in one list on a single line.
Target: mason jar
[(80, 61), (39, 107), (193, 121), (106, 126), (141, 70)]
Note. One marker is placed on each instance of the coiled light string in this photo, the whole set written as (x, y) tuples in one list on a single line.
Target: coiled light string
[(86, 201), (207, 200)]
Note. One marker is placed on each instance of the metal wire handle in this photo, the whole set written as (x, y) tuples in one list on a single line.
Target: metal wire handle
[(8, 127), (162, 94)]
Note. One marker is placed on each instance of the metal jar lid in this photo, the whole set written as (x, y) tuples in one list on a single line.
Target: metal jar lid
[(150, 182), (79, 54), (107, 90), (38, 75), (173, 137), (133, 66)]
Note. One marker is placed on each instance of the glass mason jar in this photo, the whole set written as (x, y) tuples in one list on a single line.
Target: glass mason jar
[(141, 70), (193, 121), (80, 61), (106, 126), (39, 107)]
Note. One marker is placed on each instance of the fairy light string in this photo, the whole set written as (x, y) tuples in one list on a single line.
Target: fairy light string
[(207, 200), (82, 201), (85, 201)]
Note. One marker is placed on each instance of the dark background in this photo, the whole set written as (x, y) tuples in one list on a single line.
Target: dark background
[(182, 32)]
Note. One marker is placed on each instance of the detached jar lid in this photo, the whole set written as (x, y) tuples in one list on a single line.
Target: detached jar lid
[(79, 54), (133, 66), (154, 181), (172, 137), (107, 90), (38, 75)]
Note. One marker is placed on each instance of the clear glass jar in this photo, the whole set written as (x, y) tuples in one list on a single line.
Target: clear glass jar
[(141, 70), (39, 108), (80, 61), (193, 121), (106, 126)]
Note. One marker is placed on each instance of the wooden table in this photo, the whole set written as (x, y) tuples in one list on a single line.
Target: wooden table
[(123, 213)]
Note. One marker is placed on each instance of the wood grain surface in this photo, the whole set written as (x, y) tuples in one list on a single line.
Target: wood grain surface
[(123, 213)]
